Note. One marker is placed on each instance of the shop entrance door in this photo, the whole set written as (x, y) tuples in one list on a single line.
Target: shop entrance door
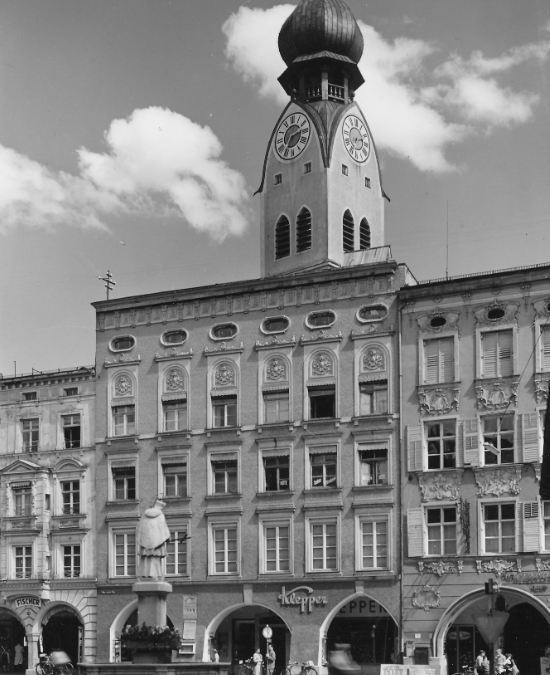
[(62, 632), (244, 643)]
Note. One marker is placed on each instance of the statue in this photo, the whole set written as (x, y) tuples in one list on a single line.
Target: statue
[(152, 535)]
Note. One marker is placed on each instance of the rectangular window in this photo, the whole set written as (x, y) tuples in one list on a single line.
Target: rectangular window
[(277, 473), (23, 562), (546, 516), (500, 528), (175, 479), (31, 434), (277, 547), (22, 500), (224, 476), (374, 544), (307, 167), (71, 561), (124, 420), (441, 438), (125, 554), (373, 398), (344, 170), (70, 494), (322, 402), (373, 466), (124, 482), (441, 524), (176, 553), (30, 396), (496, 352), (439, 362), (278, 178), (224, 411), (276, 407), (367, 182), (225, 549), (71, 431), (70, 391), (175, 415), (323, 469), (545, 348), (323, 546), (498, 439)]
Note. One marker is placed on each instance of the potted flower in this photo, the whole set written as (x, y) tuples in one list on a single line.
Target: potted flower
[(150, 644)]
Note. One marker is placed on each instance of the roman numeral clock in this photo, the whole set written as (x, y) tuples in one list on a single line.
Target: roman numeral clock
[(292, 136), (356, 138)]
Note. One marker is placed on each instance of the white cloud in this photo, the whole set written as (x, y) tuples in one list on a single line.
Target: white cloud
[(415, 107), (157, 162)]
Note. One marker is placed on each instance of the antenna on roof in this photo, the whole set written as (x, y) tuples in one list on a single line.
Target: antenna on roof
[(109, 283), (447, 257)]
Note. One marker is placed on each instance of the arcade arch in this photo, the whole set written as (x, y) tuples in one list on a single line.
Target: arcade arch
[(128, 616)]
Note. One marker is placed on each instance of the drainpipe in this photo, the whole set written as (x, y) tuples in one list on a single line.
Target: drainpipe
[(399, 481)]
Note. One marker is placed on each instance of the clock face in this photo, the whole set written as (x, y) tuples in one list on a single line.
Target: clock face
[(292, 136), (356, 138)]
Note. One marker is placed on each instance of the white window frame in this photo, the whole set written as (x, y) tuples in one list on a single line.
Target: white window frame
[(322, 520), (271, 448), (172, 456), (479, 349), (481, 529), (314, 447), (364, 376), (425, 440), (372, 517), (318, 382), (510, 413), (177, 397), (122, 461), (266, 386), (69, 470), (217, 524), (31, 490), (275, 521), (30, 418), (223, 453), (180, 528), (25, 544), (115, 401), (430, 337), (542, 528), (540, 326), (367, 442), (61, 559), (214, 362), (121, 530), (440, 505)]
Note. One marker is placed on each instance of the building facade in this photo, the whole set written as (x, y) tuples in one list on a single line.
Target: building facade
[(475, 363), (47, 543)]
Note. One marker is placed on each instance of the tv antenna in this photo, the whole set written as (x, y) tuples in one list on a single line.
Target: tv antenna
[(109, 283)]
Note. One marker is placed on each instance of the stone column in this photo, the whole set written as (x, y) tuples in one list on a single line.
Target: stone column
[(32, 651), (152, 601)]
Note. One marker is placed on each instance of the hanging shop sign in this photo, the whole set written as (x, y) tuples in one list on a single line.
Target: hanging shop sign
[(303, 597), (362, 607), (24, 602)]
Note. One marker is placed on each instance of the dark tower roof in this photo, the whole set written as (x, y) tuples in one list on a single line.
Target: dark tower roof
[(317, 26)]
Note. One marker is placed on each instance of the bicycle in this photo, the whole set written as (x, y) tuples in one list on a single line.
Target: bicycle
[(296, 668), (245, 668), (46, 667), (466, 670)]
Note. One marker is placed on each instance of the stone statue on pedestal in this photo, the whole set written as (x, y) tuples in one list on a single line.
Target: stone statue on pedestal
[(152, 536)]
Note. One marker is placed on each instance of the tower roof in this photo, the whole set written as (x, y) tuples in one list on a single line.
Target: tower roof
[(318, 27)]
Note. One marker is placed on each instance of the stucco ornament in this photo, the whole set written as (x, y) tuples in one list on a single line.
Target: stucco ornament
[(497, 395), (447, 321), (276, 369), (123, 386), (438, 400), (373, 359), (498, 566), (542, 565), (498, 482), (541, 388), (175, 380), (426, 598), (322, 365), (507, 314), (225, 375), (438, 486), (441, 567)]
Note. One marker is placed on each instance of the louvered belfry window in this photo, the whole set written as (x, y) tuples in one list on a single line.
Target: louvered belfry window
[(439, 363), (364, 235), (303, 231), (348, 232), (496, 349), (282, 238)]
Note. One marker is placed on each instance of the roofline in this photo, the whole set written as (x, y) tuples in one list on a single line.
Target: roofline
[(40, 374)]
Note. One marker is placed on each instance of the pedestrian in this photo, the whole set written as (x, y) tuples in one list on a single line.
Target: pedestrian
[(270, 657), (513, 669), (215, 656), (18, 659), (258, 660), (500, 660), (482, 664)]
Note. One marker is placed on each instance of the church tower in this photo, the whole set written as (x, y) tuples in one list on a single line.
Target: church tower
[(322, 202)]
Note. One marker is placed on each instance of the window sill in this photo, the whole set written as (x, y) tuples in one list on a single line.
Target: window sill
[(224, 495), (275, 425), (376, 574), (372, 488), (276, 493), (176, 500), (220, 430), (375, 417), (121, 502), (323, 490), (324, 573)]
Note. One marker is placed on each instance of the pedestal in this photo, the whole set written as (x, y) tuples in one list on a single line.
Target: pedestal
[(152, 601)]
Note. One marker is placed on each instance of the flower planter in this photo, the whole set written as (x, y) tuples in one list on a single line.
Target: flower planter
[(144, 652)]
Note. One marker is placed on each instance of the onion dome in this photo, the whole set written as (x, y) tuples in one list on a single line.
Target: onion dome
[(317, 26)]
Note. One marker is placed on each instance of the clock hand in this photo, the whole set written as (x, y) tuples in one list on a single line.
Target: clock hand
[(296, 133)]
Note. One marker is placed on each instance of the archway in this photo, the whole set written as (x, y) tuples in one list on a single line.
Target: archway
[(62, 629), (12, 632), (128, 616), (526, 634)]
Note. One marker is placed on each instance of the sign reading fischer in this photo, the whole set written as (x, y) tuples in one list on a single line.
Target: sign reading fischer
[(21, 602), (296, 597)]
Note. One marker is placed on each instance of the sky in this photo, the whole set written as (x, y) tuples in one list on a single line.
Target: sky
[(132, 136)]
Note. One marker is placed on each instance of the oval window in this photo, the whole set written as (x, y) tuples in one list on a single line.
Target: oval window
[(320, 319), (174, 337), (495, 314), (123, 343), (372, 313), (548, 307), (438, 321), (223, 331), (275, 324)]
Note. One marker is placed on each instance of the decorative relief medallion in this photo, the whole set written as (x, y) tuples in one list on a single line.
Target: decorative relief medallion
[(426, 598), (498, 482), (175, 380), (438, 321), (542, 307), (123, 386), (541, 388), (21, 524), (438, 400), (440, 567), (496, 395), (438, 486), (498, 567), (374, 359), (322, 365), (69, 522), (276, 369), (496, 313), (225, 376)]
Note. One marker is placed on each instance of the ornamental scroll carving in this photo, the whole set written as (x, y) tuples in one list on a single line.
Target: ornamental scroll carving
[(542, 565), (123, 386), (509, 311), (374, 360), (441, 567), (175, 380), (496, 395), (541, 388), (438, 486), (225, 376), (426, 598), (447, 321), (276, 369), (498, 566), (438, 400), (322, 365), (498, 482), (541, 307)]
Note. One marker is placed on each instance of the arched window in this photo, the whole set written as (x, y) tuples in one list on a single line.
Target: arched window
[(303, 231), (348, 232), (282, 238), (364, 235)]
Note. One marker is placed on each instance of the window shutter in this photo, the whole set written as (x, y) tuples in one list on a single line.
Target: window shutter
[(546, 348), (446, 351), (431, 361), (459, 444), (519, 526), (415, 532), (531, 526), (414, 447), (489, 354), (505, 353), (471, 443), (531, 437)]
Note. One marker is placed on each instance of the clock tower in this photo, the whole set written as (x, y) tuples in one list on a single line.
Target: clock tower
[(322, 201)]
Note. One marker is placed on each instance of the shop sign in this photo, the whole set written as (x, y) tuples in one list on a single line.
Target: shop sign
[(23, 602), (362, 607), (302, 596), (189, 606), (392, 669), (538, 590)]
